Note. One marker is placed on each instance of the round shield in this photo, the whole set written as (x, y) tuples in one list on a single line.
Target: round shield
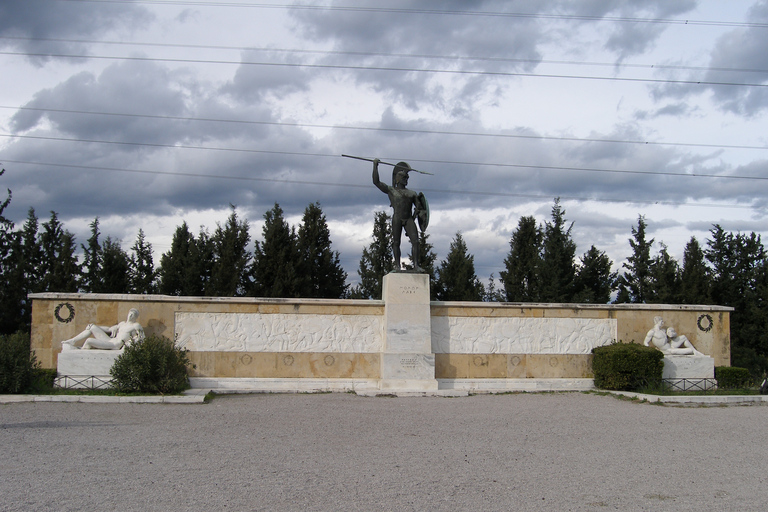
[(423, 217)]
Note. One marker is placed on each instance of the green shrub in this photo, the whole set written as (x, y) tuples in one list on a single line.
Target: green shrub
[(153, 365), (627, 366), (732, 377), (17, 363), (42, 380)]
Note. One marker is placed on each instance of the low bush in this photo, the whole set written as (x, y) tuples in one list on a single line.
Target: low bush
[(17, 363), (153, 365), (627, 367), (732, 377)]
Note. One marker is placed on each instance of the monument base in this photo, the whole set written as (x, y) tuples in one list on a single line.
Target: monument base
[(85, 368), (688, 367), (407, 361), (689, 373)]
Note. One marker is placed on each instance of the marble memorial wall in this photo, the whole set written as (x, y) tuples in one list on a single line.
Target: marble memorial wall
[(314, 338)]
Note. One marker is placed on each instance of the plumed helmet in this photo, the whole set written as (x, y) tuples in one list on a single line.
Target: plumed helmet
[(402, 168)]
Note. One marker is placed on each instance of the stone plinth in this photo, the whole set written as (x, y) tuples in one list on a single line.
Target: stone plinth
[(407, 361), (684, 373), (86, 363), (688, 367)]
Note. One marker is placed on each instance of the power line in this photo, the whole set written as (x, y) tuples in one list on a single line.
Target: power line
[(445, 162), (439, 12), (382, 129), (352, 185), (391, 68), (612, 65)]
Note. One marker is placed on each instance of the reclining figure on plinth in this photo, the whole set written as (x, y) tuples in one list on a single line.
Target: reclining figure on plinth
[(108, 338), (669, 342)]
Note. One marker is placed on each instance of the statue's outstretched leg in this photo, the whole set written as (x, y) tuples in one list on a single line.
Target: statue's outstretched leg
[(92, 331)]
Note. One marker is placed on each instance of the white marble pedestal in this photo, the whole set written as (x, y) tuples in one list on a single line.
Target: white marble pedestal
[(689, 372), (407, 361), (85, 368)]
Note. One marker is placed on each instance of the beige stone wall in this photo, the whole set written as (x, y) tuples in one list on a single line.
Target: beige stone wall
[(158, 312)]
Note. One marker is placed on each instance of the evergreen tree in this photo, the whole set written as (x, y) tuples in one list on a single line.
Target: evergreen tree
[(738, 263), (203, 260), (179, 268), (230, 258), (665, 278), (694, 277), (12, 282), (114, 272), (492, 293), (523, 264), (636, 280), (92, 259), (31, 257), (59, 269), (275, 269), (594, 280), (456, 278), (558, 268), (320, 268), (143, 275), (377, 259)]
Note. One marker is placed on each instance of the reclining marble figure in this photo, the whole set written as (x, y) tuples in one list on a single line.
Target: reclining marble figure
[(108, 338), (669, 342)]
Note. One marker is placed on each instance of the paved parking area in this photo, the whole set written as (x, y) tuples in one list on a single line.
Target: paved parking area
[(549, 451)]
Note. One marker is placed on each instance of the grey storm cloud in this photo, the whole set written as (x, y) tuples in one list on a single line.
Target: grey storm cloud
[(173, 141), (29, 26)]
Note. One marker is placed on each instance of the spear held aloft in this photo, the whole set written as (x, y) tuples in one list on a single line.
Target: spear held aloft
[(385, 163)]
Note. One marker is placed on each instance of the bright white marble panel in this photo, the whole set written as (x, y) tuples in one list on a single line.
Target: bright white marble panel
[(489, 335), (257, 332)]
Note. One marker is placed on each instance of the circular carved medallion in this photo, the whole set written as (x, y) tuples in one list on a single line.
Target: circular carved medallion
[(288, 360), (329, 360), (70, 312)]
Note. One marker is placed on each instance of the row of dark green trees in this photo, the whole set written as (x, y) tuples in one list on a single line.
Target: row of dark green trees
[(728, 269)]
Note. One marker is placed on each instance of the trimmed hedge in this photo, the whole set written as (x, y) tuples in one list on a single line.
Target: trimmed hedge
[(152, 365), (17, 363), (627, 366), (733, 377)]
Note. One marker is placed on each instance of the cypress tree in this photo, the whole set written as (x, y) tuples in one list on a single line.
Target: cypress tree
[(230, 258), (694, 277), (143, 276), (594, 280), (59, 268), (558, 268), (320, 268), (521, 278), (636, 280), (92, 259), (377, 259), (456, 278), (275, 271)]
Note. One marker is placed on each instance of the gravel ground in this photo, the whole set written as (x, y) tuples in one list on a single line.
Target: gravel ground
[(551, 451)]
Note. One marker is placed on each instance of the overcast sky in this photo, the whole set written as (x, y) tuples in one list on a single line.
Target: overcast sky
[(150, 113)]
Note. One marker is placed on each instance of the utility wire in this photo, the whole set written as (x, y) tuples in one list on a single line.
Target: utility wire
[(352, 185), (444, 162), (448, 162), (612, 65), (390, 68), (438, 12), (383, 129)]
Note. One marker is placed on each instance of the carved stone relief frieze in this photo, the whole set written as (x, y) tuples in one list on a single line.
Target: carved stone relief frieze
[(256, 332), (486, 335)]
